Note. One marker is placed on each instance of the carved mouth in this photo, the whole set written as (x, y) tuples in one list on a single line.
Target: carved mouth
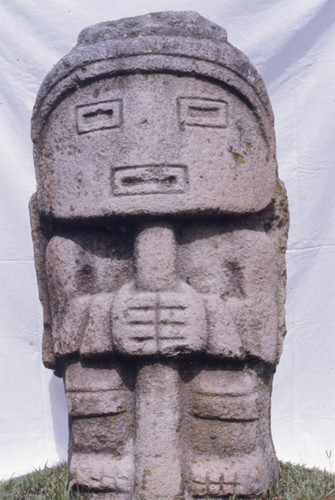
[(149, 179)]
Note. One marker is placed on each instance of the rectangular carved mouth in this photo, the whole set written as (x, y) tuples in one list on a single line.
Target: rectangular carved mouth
[(149, 179)]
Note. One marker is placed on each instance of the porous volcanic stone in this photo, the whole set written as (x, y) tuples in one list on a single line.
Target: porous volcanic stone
[(159, 228)]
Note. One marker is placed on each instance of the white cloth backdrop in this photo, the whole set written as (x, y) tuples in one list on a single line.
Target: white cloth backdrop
[(292, 44)]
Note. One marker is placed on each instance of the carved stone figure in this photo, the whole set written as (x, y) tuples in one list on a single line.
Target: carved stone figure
[(160, 226)]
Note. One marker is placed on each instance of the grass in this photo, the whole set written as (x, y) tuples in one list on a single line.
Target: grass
[(295, 482), (48, 483)]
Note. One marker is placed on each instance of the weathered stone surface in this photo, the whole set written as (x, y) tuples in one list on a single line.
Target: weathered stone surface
[(159, 229), (158, 467), (103, 471)]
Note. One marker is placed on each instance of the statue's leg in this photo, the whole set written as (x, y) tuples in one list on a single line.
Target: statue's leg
[(100, 398), (227, 425)]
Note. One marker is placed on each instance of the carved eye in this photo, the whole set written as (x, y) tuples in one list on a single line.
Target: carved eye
[(202, 112), (98, 116)]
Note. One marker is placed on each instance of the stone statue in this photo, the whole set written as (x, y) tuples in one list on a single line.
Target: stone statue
[(159, 227)]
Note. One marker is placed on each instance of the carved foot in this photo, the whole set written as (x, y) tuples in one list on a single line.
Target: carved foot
[(217, 477), (101, 471)]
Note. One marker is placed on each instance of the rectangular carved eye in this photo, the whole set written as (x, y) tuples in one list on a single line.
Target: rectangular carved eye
[(98, 116), (198, 112)]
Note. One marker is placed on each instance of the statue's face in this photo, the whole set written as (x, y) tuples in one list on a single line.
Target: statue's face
[(155, 144)]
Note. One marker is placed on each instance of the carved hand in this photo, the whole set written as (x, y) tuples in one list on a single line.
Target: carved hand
[(158, 313)]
